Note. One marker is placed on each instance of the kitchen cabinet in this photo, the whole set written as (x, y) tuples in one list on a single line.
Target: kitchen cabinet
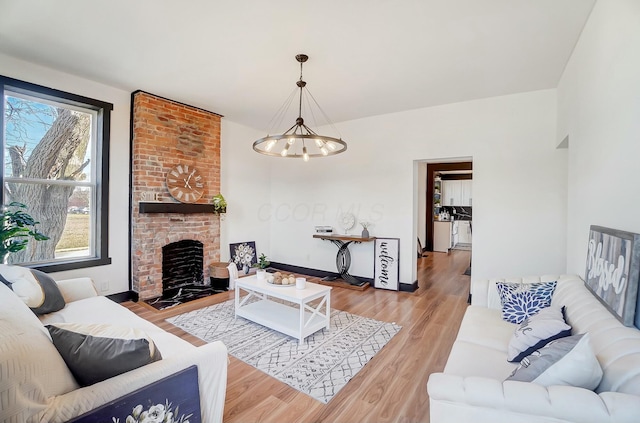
[(442, 236), (452, 192), (457, 192)]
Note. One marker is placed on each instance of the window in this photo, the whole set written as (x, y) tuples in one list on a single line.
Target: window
[(56, 163)]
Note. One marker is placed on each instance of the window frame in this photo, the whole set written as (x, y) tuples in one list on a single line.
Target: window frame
[(102, 143)]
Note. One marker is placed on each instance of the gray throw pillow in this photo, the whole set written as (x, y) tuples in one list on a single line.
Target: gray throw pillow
[(37, 289), (566, 361), (537, 331), (97, 352)]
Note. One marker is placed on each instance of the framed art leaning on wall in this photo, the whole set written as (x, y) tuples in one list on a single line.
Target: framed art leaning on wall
[(386, 270), (613, 271)]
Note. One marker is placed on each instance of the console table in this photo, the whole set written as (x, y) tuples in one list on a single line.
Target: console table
[(343, 259)]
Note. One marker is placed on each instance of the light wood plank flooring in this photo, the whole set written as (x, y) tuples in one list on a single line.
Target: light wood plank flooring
[(392, 386)]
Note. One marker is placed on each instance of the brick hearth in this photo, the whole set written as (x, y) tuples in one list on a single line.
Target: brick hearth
[(165, 134)]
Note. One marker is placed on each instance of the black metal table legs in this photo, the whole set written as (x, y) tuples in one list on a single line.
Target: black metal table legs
[(343, 262)]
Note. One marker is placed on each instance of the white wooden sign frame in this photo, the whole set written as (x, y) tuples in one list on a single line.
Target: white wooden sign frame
[(386, 270)]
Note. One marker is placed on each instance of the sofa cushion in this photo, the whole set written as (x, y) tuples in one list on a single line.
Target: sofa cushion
[(566, 361), (520, 301), (537, 331), (31, 369), (96, 352), (101, 310), (37, 289), (483, 326)]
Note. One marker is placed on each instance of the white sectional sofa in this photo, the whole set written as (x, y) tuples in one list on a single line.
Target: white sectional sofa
[(472, 387), (37, 386)]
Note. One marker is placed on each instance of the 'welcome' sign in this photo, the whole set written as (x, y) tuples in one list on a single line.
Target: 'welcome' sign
[(387, 263)]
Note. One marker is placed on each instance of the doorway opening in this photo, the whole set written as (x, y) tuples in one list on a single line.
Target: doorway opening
[(445, 207)]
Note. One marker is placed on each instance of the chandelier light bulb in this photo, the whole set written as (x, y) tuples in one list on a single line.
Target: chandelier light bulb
[(290, 141), (270, 145), (285, 150), (331, 146), (324, 151), (305, 155), (318, 142)]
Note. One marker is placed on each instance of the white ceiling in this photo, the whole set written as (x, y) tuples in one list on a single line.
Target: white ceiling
[(236, 58)]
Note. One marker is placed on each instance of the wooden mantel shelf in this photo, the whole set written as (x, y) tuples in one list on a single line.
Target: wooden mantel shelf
[(176, 208), (354, 238)]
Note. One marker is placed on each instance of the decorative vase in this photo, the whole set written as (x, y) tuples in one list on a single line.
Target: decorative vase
[(245, 269), (365, 233)]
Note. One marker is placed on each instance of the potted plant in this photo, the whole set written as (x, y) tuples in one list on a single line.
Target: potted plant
[(262, 265), (16, 229), (219, 204)]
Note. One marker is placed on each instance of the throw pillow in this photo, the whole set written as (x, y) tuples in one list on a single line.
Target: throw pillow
[(37, 289), (520, 301), (537, 331), (566, 361), (95, 352)]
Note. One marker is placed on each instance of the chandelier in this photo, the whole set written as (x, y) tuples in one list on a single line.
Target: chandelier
[(300, 141)]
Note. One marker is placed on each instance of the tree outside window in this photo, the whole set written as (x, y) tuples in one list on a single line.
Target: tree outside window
[(55, 162)]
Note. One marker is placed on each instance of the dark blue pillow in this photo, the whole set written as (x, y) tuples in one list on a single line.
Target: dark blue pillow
[(521, 300)]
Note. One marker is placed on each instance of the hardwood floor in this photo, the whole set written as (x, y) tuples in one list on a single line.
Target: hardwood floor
[(392, 386)]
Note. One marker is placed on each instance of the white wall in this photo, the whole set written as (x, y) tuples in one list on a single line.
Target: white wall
[(115, 275), (245, 184), (421, 202), (599, 109), (519, 186)]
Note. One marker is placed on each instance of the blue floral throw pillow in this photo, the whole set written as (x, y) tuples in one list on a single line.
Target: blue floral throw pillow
[(522, 300)]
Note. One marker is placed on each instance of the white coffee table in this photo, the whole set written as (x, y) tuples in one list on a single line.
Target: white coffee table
[(298, 321)]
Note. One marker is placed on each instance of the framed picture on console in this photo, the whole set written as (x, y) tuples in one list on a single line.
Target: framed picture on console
[(613, 272), (386, 270)]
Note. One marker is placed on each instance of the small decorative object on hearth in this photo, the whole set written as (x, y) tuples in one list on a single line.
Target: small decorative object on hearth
[(16, 227), (365, 229), (300, 141)]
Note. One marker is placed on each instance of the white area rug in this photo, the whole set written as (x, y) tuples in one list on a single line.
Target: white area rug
[(320, 367)]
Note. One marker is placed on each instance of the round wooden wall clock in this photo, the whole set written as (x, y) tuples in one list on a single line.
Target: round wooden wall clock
[(185, 183)]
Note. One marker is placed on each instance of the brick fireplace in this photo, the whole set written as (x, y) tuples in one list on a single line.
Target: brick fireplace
[(165, 134)]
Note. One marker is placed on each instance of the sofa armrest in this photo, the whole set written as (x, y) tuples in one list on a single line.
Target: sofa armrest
[(211, 360), (77, 289), (456, 398)]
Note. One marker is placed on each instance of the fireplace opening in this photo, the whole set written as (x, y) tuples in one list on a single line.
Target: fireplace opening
[(182, 264), (182, 274)]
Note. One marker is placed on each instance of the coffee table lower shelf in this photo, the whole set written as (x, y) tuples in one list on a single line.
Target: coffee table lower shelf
[(282, 318)]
